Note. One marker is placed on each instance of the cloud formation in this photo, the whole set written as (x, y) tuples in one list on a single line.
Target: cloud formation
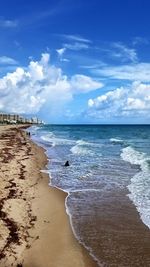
[(133, 72), (81, 83), (4, 60), (132, 101), (61, 51), (76, 38), (6, 23), (138, 40), (76, 46), (27, 90), (73, 43), (124, 53)]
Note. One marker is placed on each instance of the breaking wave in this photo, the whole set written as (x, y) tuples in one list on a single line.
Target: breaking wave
[(140, 183)]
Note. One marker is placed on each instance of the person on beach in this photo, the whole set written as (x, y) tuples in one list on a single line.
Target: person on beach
[(28, 134)]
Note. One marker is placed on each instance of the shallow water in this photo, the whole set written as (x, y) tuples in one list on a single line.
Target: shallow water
[(106, 164)]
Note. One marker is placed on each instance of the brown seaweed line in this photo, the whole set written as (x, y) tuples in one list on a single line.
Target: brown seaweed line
[(13, 230)]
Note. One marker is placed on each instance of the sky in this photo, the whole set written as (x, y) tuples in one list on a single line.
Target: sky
[(77, 61)]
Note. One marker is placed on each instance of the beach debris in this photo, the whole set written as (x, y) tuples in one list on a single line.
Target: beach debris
[(67, 164), (13, 142)]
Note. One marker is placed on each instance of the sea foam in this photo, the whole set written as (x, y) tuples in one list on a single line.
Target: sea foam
[(140, 183), (116, 141), (81, 148), (51, 138)]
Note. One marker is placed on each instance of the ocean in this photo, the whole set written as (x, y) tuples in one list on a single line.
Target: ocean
[(109, 171)]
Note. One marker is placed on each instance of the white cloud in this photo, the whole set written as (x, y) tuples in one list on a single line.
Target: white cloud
[(76, 43), (134, 72), (122, 102), (4, 60), (8, 23), (140, 40), (99, 64), (45, 59), (124, 53), (61, 51), (65, 59), (76, 46), (85, 84), (136, 104), (76, 38), (27, 90), (36, 71)]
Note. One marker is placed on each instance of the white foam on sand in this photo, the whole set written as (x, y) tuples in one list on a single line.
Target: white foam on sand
[(140, 183)]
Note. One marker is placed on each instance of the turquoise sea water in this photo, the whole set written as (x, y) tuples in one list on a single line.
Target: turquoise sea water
[(103, 159)]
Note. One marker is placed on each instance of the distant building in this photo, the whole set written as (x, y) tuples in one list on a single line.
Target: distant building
[(15, 118), (34, 120)]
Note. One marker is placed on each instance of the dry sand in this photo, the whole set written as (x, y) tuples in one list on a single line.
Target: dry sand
[(34, 227)]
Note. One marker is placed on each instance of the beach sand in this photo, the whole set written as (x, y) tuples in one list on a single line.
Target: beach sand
[(34, 227)]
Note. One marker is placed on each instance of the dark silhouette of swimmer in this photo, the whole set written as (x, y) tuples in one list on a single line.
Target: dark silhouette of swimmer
[(67, 164)]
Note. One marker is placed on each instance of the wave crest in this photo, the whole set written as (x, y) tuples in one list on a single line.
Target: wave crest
[(116, 141), (81, 148)]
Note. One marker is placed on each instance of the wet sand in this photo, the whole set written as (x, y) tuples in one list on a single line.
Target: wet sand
[(34, 227), (114, 230)]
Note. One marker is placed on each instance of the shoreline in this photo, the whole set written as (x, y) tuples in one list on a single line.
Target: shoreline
[(44, 233), (35, 229)]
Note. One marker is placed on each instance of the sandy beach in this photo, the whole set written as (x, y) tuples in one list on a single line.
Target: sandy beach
[(34, 227)]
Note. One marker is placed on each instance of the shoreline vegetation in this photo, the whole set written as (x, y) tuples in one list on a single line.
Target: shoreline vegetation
[(34, 227)]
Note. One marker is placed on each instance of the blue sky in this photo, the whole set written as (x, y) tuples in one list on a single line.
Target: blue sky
[(76, 61)]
